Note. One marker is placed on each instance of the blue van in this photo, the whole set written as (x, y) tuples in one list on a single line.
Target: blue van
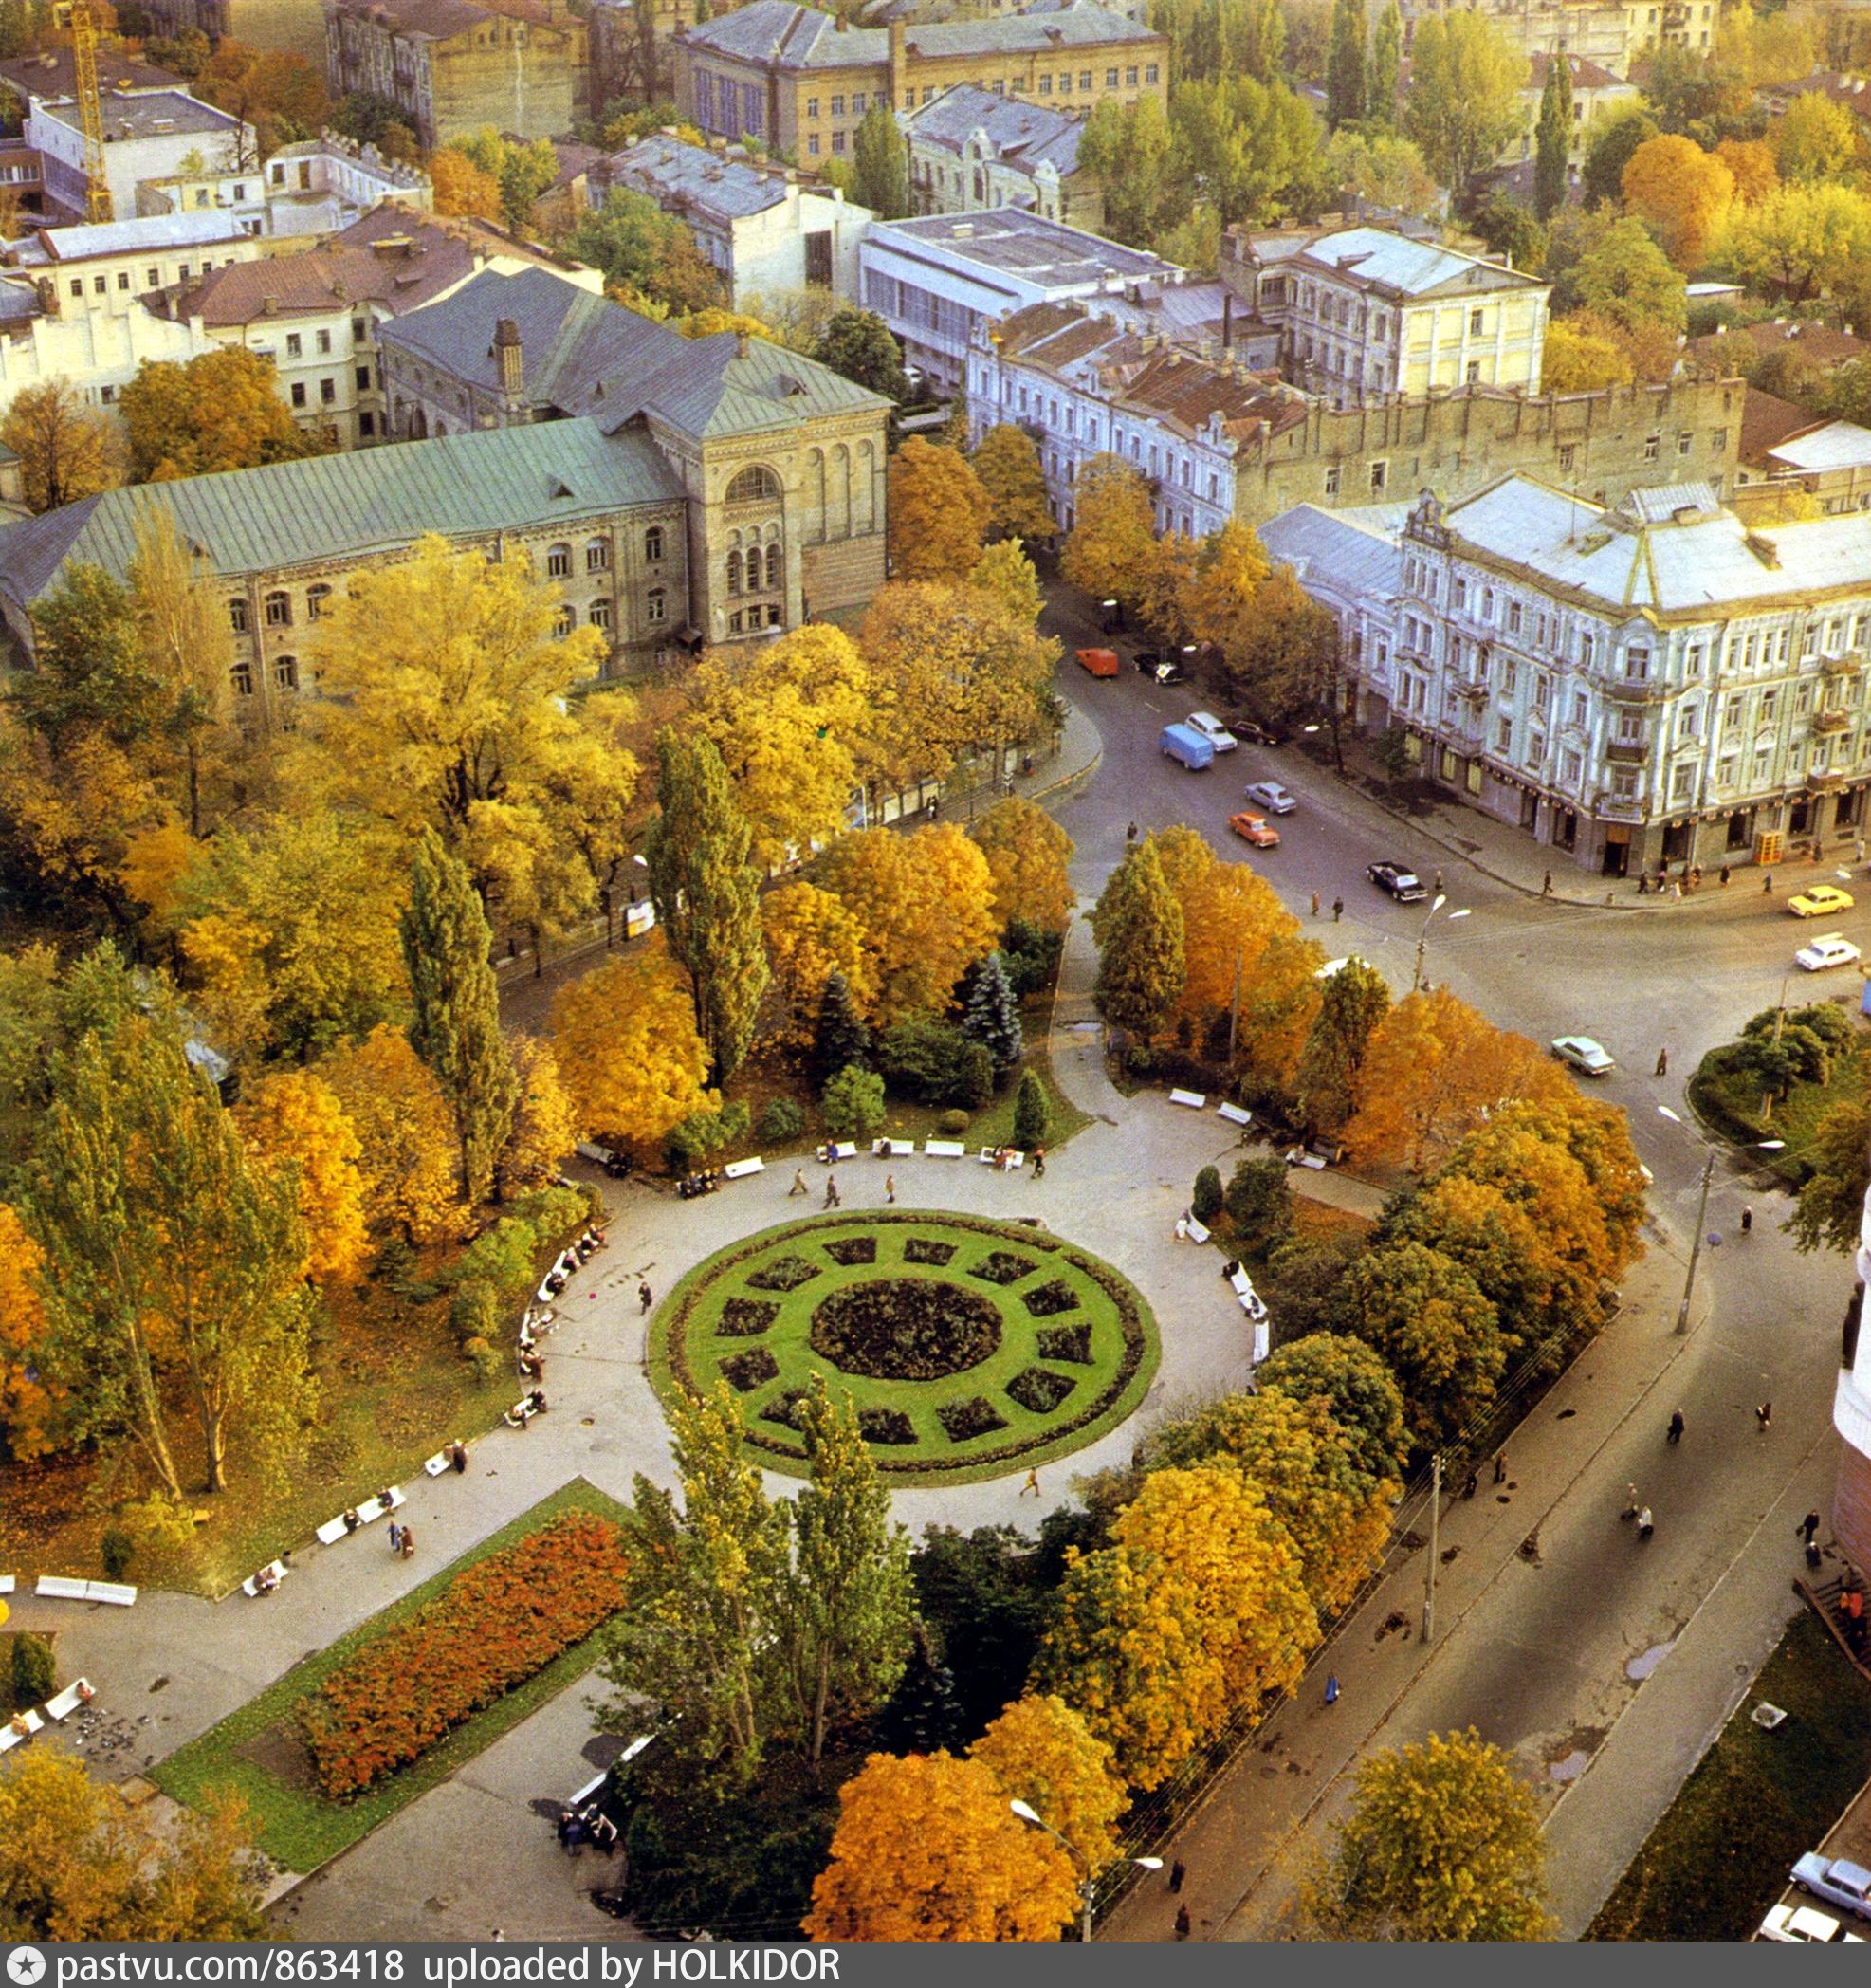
[(1185, 742)]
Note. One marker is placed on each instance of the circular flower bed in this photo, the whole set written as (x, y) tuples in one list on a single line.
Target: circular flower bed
[(970, 1348)]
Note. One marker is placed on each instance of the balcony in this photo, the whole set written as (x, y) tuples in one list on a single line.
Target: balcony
[(1628, 752), (1475, 692), (1825, 782), (1848, 664), (1632, 690), (1825, 722)]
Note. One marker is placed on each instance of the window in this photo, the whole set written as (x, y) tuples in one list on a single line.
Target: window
[(1149, 72), (314, 601), (356, 331), (1378, 474), (327, 392), (1513, 618), (857, 104), (1684, 442), (838, 106), (564, 621), (1130, 78), (734, 571), (1085, 78), (597, 555), (362, 375), (279, 610), (811, 144), (1652, 444), (1476, 320), (77, 286), (558, 562), (1472, 371), (776, 616), (295, 345), (367, 424), (324, 341), (99, 284), (756, 483), (152, 279), (242, 677), (1770, 706), (811, 106), (657, 605), (1588, 649), (1569, 769), (774, 574), (1718, 439), (285, 673), (182, 271), (237, 617), (1332, 479), (299, 392), (600, 614), (1509, 676), (838, 144), (1567, 453), (1581, 709), (124, 279), (1046, 85)]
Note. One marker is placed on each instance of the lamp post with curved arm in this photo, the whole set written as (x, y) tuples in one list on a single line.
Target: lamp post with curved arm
[(1422, 937), (1087, 1883)]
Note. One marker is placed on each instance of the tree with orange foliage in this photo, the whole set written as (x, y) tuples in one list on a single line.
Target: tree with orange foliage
[(627, 1050), (546, 1125), (1680, 190), (1750, 164), (29, 1406), (927, 1850), (1434, 1070), (938, 512), (810, 935), (1028, 855), (1043, 1753), (293, 1118), (461, 188), (406, 1134)]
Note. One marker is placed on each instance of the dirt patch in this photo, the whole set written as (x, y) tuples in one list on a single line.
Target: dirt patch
[(279, 1752)]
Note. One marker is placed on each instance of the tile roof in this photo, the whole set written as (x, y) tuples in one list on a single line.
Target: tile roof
[(1767, 419), (794, 37), (1023, 134), (370, 500), (327, 279), (1586, 75)]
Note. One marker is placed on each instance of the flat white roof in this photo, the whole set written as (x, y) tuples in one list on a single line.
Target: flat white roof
[(1839, 445)]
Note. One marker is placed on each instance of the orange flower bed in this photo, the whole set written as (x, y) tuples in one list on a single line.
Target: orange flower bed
[(492, 1628)]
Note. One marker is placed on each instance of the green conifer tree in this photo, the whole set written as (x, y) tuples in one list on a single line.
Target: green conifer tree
[(1347, 83), (839, 1037), (991, 1015), (1138, 925), (1552, 138), (1032, 1113)]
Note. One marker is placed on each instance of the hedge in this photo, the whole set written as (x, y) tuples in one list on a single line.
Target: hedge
[(492, 1628)]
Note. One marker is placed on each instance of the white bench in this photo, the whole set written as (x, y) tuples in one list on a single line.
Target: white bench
[(1197, 1233), (69, 1700), (1263, 1341), (739, 1169), (1235, 1114), (251, 1588), (8, 1583), (60, 1587), (11, 1735), (1014, 1161), (1196, 1100), (1249, 1297), (943, 1148), (894, 1148), (434, 1466), (334, 1529), (520, 1413), (842, 1150), (119, 1593)]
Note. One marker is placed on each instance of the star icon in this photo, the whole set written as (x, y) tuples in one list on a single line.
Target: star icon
[(26, 1966)]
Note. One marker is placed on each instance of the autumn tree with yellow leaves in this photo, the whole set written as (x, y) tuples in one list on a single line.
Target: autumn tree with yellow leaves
[(812, 935), (927, 1850), (1112, 540), (195, 417), (1682, 192), (67, 451), (1042, 1753), (29, 1406), (1007, 463), (406, 1137), (1229, 572), (1029, 856), (628, 1051), (938, 512), (292, 1120), (545, 1123)]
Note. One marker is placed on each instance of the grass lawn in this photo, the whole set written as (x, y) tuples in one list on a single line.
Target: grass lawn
[(1730, 1105), (255, 1752), (1720, 1854), (959, 1376)]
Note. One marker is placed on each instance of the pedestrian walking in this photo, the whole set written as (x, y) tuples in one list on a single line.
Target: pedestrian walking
[(832, 1199), (1630, 1502), (408, 1542), (1337, 910), (1039, 1163), (1764, 1416), (1767, 884), (458, 1457), (1546, 885), (1747, 1220), (643, 1297), (1331, 1688), (1183, 1922), (395, 1536), (798, 1186), (1438, 883), (1500, 1467), (1643, 883), (1130, 832), (1663, 1062), (1178, 1872), (889, 1189), (1676, 1427), (1472, 1485), (1726, 875), (1315, 904), (1032, 1484), (1646, 1525), (1808, 1526)]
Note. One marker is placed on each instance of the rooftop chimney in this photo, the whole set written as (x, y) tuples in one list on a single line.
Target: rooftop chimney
[(508, 357)]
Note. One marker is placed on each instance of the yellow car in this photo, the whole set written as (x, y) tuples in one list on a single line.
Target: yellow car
[(1821, 901)]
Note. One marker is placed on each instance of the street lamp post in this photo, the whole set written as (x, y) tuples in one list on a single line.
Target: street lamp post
[(1087, 1883), (1695, 1241), (1422, 937)]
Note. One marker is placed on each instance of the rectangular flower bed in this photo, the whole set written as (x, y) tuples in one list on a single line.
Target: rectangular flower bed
[(492, 1628), (1038, 1389), (962, 1421), (741, 1317), (783, 1273), (849, 1250), (1050, 1300), (1065, 1343), (1001, 1266), (750, 1369), (926, 1250)]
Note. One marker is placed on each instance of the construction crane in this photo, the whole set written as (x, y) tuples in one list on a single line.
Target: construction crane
[(90, 107)]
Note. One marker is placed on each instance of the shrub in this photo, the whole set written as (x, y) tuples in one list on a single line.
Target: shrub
[(780, 1119), (852, 1106), (158, 1520), (1031, 955), (1205, 1202), (115, 1549), (1071, 1343), (743, 1317), (1033, 1112), (474, 1313), (952, 1123), (494, 1626), (1002, 1267), (1259, 1202), (783, 1273), (962, 1421), (703, 1133), (504, 1258), (554, 1212), (34, 1673), (745, 1371), (484, 1356), (931, 1061)]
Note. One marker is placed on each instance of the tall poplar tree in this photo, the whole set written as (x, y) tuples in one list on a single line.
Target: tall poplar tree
[(1387, 63), (1138, 923), (881, 162), (1346, 81), (1552, 138), (707, 894), (455, 1026)]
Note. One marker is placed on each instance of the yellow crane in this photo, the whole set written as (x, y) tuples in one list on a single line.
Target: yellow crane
[(90, 107)]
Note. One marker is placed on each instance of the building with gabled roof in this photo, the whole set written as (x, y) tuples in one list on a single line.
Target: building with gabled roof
[(973, 148)]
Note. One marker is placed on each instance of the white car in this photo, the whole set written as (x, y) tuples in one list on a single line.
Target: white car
[(1272, 797), (1801, 1925), (1211, 727), (1828, 950), (1590, 1058)]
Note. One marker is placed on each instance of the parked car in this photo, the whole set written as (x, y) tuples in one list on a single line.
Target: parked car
[(1820, 901), (1251, 828), (1170, 671), (1403, 884), (1802, 1925), (1211, 727), (1271, 796), (1588, 1058), (1184, 743), (1836, 1881), (1147, 661), (1098, 662), (1247, 726), (1828, 950), (615, 1163)]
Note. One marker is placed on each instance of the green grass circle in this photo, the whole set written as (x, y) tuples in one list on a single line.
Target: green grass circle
[(745, 1315)]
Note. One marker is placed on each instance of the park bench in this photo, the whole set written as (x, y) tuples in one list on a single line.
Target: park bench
[(1195, 1230), (1010, 1162), (251, 1588), (943, 1148), (1263, 1341), (739, 1169), (11, 1735), (334, 1529), (893, 1149), (8, 1583), (1196, 1100), (1235, 1114), (833, 1152), (59, 1586), (563, 1270), (68, 1701)]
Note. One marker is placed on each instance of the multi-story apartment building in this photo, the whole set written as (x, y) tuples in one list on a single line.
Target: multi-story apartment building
[(1613, 32), (972, 149), (107, 268), (311, 188), (801, 82), (149, 135), (96, 354), (1368, 314), (1656, 682), (290, 26), (450, 66), (780, 461), (1097, 380), (762, 227), (937, 280)]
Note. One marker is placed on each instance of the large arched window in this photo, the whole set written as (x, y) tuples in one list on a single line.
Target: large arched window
[(597, 555), (558, 562), (652, 544), (754, 485), (279, 610), (565, 621), (316, 598), (772, 575), (734, 571)]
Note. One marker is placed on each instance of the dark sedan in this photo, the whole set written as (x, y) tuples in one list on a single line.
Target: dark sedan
[(1405, 886)]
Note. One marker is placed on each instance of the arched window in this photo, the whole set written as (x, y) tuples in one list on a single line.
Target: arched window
[(237, 617), (755, 485), (597, 555), (242, 677), (279, 610), (285, 673), (653, 543), (734, 572), (773, 576), (600, 614), (564, 622), (314, 601), (558, 562)]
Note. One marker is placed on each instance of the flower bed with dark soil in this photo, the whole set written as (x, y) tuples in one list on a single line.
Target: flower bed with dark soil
[(948, 1373)]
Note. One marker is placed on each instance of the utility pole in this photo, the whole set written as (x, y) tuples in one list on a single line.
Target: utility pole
[(1233, 1010), (1696, 1246), (1435, 1517)]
